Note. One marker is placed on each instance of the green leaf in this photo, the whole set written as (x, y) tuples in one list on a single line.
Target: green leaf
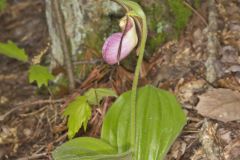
[(87, 148), (94, 96), (10, 49), (79, 113), (39, 74), (159, 120)]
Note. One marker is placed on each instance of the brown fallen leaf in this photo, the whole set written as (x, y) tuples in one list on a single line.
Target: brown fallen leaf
[(220, 104), (232, 150), (177, 150), (208, 138)]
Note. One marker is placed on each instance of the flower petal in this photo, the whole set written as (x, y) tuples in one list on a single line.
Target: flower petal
[(111, 46)]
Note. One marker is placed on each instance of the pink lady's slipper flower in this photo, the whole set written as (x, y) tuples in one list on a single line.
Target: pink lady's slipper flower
[(119, 45)]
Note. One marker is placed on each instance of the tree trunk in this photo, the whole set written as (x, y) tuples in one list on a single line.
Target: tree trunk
[(69, 23)]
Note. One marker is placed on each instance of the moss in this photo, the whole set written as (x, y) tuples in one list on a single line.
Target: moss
[(166, 19), (180, 12), (157, 40), (93, 40), (60, 87), (2, 4), (197, 3), (138, 1), (155, 19), (100, 30)]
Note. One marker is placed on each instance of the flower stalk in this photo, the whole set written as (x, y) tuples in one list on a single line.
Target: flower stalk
[(135, 14)]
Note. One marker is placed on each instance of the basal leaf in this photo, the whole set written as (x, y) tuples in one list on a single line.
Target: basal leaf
[(87, 148), (10, 49), (159, 120), (94, 96), (78, 112), (39, 74)]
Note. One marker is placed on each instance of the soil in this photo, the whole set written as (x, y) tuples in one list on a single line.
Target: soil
[(31, 121)]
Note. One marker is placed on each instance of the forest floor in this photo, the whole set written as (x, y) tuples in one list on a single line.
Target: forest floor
[(202, 68)]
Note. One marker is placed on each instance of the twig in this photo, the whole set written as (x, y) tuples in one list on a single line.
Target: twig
[(207, 138), (35, 112), (34, 156), (212, 45), (61, 138), (196, 12), (40, 102), (23, 105), (93, 61), (39, 150), (66, 49)]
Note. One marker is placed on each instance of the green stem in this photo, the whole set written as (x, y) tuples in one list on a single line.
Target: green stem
[(134, 87), (135, 11)]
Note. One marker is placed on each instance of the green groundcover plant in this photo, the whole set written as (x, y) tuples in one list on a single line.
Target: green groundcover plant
[(142, 123), (36, 73)]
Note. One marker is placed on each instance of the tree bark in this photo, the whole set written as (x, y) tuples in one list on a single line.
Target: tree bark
[(69, 23), (63, 45)]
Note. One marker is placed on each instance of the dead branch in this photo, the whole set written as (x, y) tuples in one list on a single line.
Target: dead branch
[(28, 104), (35, 156), (64, 44), (93, 61), (213, 43), (207, 138), (196, 12)]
